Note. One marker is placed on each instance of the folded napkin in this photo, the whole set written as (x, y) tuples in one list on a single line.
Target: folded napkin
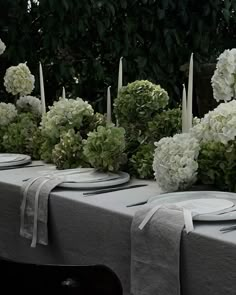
[(34, 208), (155, 250)]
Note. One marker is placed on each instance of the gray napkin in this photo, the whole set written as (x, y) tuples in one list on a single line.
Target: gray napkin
[(34, 208), (155, 251)]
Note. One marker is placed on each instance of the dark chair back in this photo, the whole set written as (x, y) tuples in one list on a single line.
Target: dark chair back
[(65, 279)]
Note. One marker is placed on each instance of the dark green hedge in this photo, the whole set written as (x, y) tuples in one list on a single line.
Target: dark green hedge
[(86, 38)]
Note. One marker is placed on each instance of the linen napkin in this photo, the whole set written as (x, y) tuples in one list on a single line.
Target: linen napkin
[(155, 251), (34, 208)]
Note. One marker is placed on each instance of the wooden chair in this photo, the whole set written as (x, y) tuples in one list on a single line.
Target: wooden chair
[(65, 279)]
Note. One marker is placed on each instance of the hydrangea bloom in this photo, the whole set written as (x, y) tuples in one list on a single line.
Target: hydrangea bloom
[(29, 104), (175, 162), (8, 113), (104, 148), (223, 81), (19, 80), (217, 125), (139, 101), (2, 47), (64, 115), (68, 153), (19, 135)]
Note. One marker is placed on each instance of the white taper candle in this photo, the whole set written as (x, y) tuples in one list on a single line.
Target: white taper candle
[(63, 92), (109, 104), (190, 94), (120, 75), (184, 111), (42, 93)]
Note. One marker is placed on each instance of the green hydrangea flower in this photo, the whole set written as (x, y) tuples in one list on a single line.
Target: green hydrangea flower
[(19, 80), (138, 102), (46, 149), (8, 113), (66, 114), (217, 165), (37, 141), (165, 124), (29, 104), (140, 164), (2, 132), (68, 153), (18, 136), (104, 148)]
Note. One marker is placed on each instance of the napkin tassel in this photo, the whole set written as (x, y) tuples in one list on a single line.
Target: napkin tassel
[(188, 220)]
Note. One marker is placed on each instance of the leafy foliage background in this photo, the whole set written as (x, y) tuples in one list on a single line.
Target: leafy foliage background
[(80, 42)]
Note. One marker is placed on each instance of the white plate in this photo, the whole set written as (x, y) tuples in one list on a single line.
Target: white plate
[(173, 198), (11, 157), (91, 180), (11, 160), (53, 171)]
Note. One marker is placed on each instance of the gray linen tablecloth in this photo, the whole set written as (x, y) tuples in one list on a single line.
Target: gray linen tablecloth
[(96, 230)]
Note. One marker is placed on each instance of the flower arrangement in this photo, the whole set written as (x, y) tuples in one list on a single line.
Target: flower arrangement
[(207, 154), (217, 125), (19, 80), (224, 78), (68, 153), (141, 144), (2, 47), (8, 113), (164, 124), (104, 148), (29, 104), (217, 136), (18, 135), (141, 108), (140, 163), (19, 122), (175, 162), (138, 102), (66, 123), (19, 127), (64, 115), (217, 165)]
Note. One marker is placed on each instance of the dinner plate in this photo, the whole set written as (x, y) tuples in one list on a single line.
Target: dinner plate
[(11, 160), (177, 197), (94, 179), (53, 171)]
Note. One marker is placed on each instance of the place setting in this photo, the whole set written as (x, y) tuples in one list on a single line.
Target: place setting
[(84, 178), (161, 221), (208, 206), (36, 191)]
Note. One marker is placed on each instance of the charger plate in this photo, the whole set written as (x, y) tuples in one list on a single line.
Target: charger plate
[(227, 213), (10, 160), (94, 179)]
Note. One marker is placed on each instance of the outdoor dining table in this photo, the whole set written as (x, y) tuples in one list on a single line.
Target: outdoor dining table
[(95, 229)]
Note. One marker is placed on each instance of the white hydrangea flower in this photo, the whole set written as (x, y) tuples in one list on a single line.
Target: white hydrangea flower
[(29, 104), (19, 80), (224, 78), (175, 162), (2, 47), (65, 114), (8, 113), (217, 125)]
